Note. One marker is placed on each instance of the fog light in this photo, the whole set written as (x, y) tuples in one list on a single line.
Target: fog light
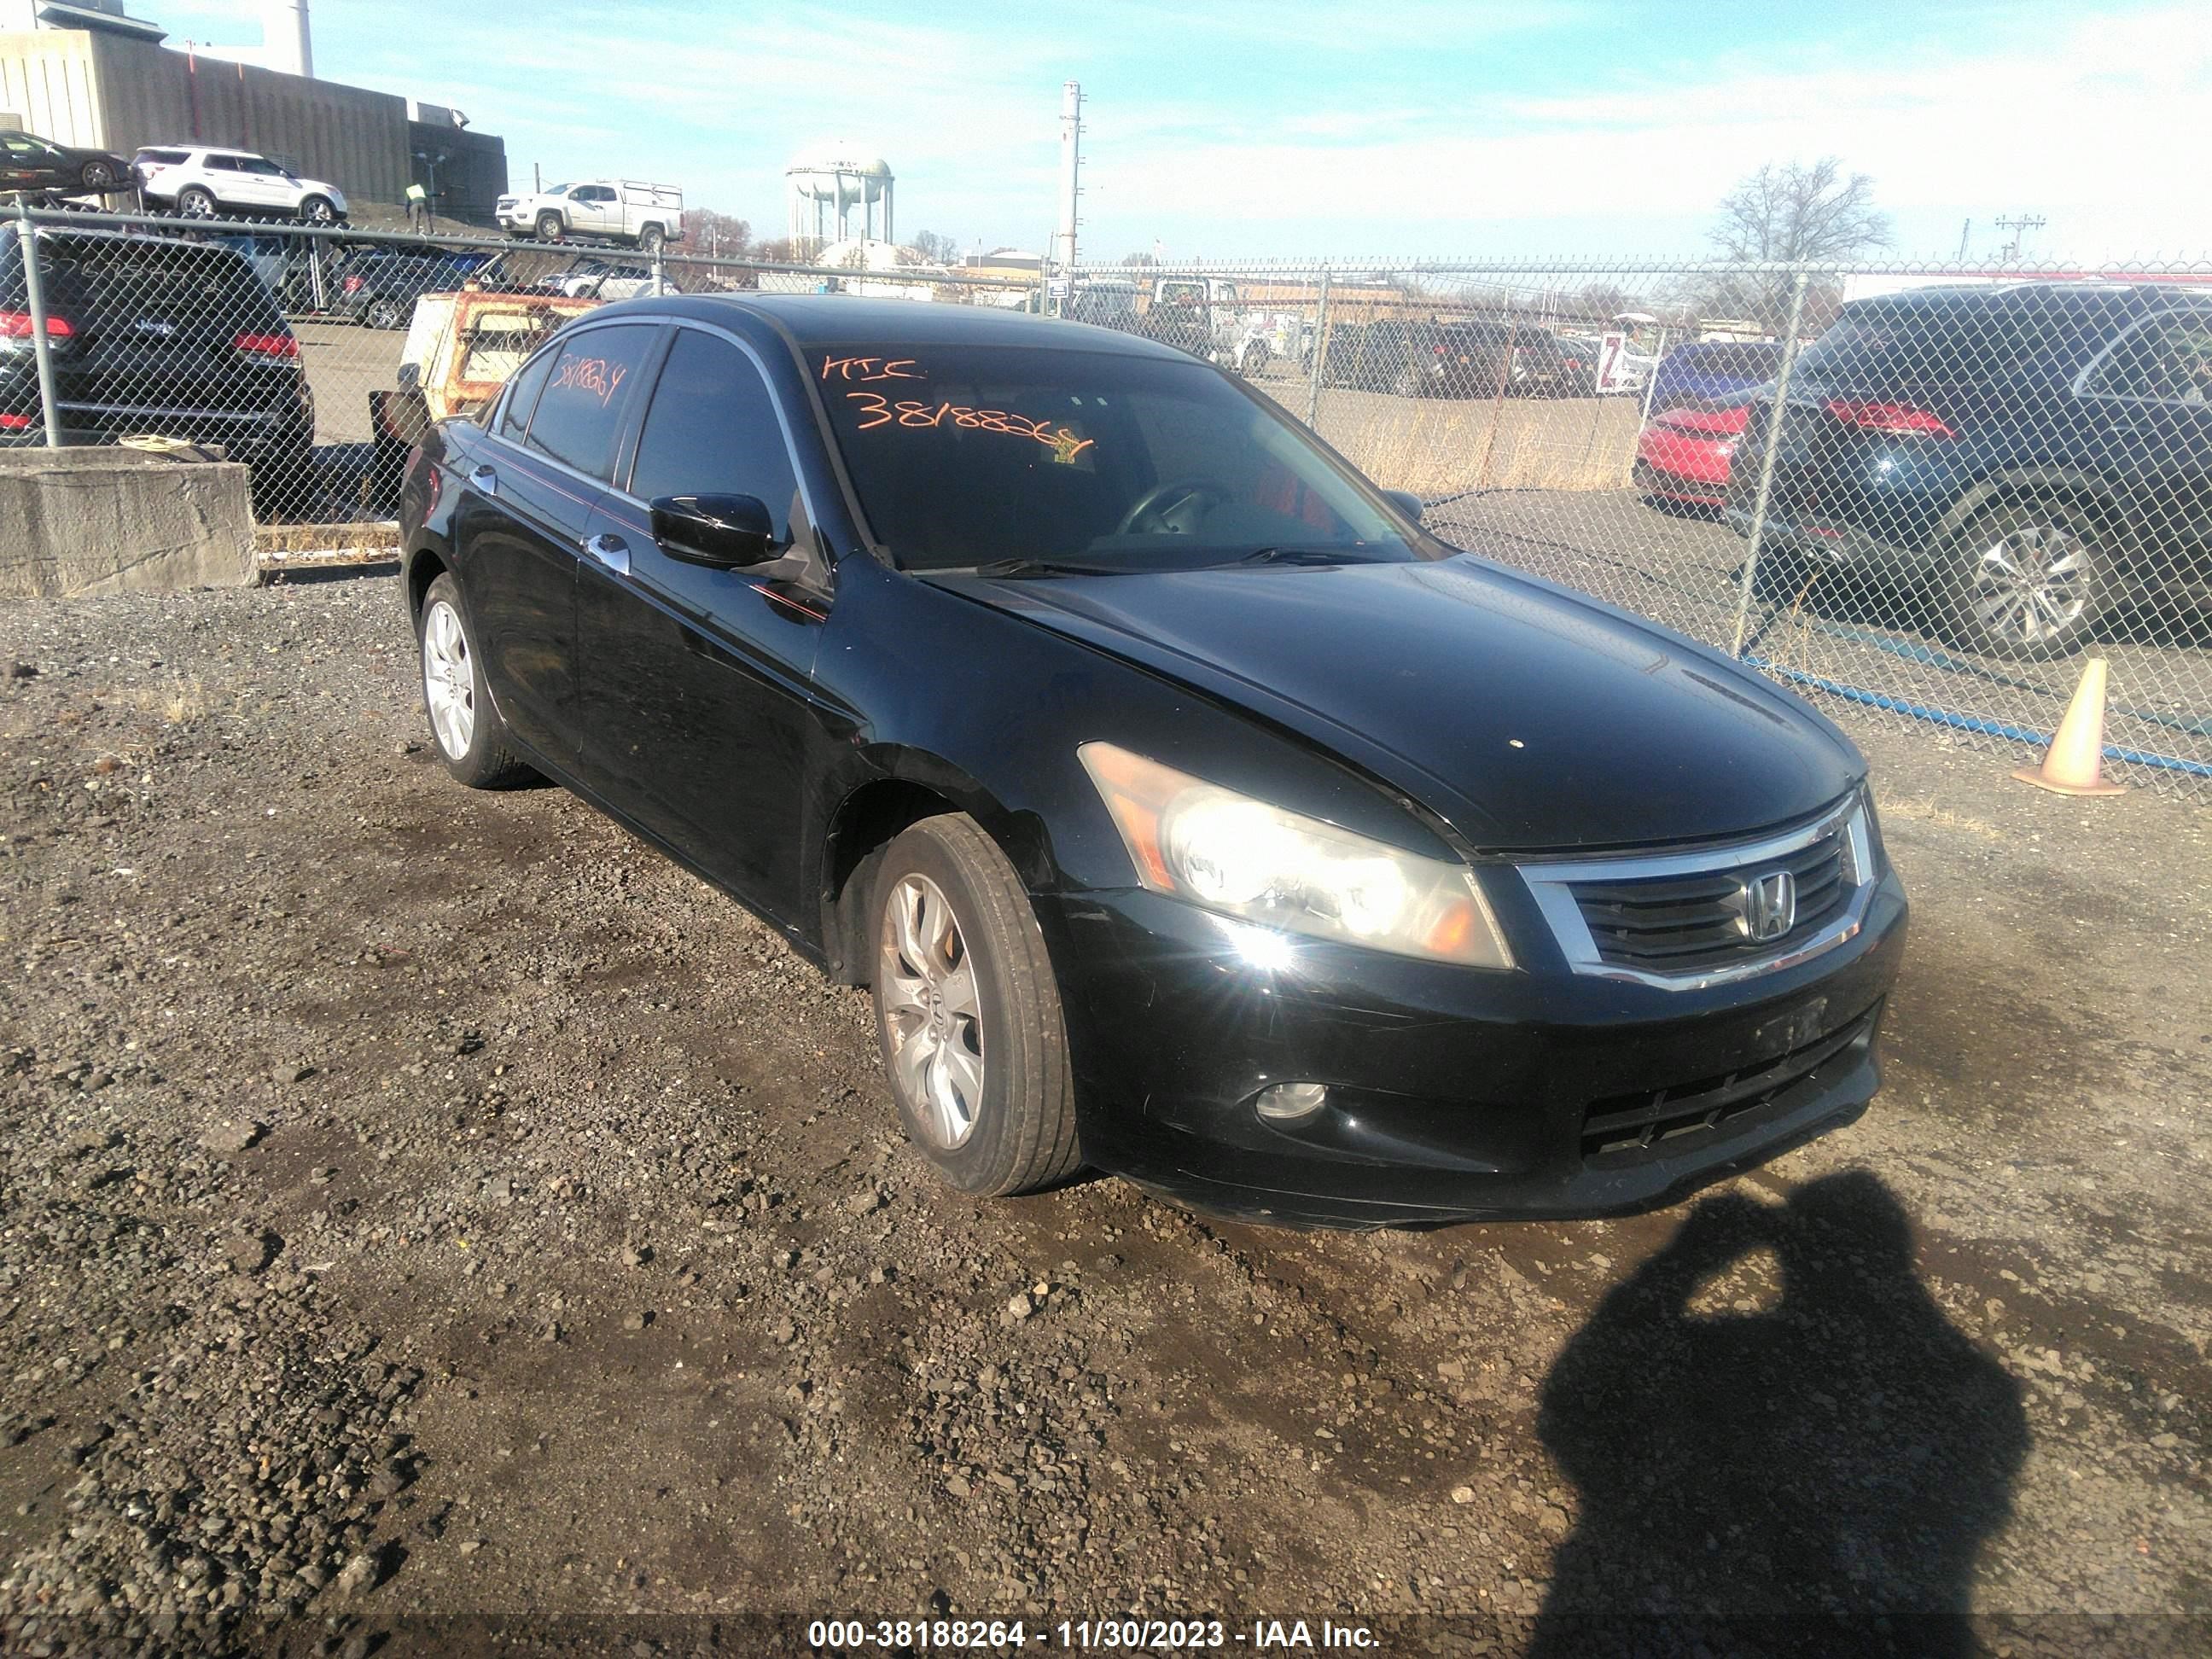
[(1290, 1102)]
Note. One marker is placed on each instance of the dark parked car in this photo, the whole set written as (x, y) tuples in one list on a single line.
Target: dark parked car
[(157, 336), (378, 287), (2026, 457), (1193, 813), (1468, 358), (40, 166), (1712, 372)]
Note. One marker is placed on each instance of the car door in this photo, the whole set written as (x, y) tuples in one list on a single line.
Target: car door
[(698, 680), (597, 211), (530, 485), (265, 184), (2147, 406), (28, 164)]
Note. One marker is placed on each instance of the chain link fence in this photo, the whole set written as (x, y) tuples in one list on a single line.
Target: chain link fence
[(1930, 489), (318, 355)]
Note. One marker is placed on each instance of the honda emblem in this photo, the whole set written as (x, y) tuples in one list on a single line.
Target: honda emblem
[(1767, 906)]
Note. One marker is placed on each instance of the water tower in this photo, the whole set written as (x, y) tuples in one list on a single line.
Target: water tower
[(825, 185)]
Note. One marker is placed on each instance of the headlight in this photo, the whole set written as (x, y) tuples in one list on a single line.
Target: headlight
[(1243, 858)]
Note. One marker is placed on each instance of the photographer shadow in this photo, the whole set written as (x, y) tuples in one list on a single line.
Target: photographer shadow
[(1816, 1474)]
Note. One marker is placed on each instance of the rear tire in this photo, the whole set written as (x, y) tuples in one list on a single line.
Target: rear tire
[(195, 202), (383, 313), (2027, 580), (968, 1013), (465, 728), (652, 239)]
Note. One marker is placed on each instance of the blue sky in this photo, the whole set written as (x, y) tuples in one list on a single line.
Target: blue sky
[(1241, 128)]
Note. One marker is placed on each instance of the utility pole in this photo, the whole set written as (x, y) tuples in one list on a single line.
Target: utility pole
[(1071, 167), (1965, 231), (2025, 221)]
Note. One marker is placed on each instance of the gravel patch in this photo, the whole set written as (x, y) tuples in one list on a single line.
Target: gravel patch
[(415, 1203)]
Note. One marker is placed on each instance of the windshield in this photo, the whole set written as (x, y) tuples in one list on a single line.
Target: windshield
[(965, 455)]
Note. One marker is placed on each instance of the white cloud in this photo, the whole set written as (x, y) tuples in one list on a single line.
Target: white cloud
[(2098, 128)]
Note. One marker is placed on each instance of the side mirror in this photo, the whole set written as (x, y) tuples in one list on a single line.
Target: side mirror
[(727, 531), (1406, 501)]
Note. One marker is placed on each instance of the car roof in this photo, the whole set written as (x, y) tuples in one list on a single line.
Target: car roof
[(818, 320), (2095, 295), (217, 250)]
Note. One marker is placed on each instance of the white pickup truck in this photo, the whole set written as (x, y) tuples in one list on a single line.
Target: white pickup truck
[(613, 209)]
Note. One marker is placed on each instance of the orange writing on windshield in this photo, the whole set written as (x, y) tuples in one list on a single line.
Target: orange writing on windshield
[(870, 368), (874, 412)]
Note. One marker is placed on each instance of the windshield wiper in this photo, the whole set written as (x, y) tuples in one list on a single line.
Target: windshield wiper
[(1049, 568), (1304, 556)]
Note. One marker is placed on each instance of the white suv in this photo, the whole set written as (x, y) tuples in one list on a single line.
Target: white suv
[(202, 182)]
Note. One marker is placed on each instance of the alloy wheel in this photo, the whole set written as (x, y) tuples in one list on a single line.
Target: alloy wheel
[(449, 679), (2030, 585), (933, 1011)]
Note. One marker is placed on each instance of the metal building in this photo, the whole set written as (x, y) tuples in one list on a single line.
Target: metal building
[(87, 74)]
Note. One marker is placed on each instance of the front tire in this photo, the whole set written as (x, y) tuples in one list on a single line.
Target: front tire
[(465, 728), (549, 227), (318, 210), (97, 179), (2027, 581), (968, 1013), (383, 313)]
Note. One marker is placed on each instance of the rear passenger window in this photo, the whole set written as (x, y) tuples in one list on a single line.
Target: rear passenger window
[(2167, 360), (522, 394), (712, 431), (588, 386)]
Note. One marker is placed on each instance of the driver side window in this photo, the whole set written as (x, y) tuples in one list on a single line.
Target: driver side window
[(712, 429)]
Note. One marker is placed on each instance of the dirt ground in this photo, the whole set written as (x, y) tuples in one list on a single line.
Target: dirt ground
[(419, 1203)]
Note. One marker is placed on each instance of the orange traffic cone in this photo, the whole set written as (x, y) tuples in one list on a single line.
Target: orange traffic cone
[(2073, 765)]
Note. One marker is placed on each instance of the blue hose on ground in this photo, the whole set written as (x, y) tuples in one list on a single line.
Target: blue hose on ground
[(1972, 722)]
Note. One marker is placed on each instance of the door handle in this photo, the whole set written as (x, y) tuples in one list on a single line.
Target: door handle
[(611, 551), (485, 479)]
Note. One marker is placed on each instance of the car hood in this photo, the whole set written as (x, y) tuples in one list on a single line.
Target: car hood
[(1527, 717)]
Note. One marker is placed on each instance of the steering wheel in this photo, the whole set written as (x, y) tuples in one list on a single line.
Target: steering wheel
[(1164, 503)]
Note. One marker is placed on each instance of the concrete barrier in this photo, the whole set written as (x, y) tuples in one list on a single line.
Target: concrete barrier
[(84, 521)]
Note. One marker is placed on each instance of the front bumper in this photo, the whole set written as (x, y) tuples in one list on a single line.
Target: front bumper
[(1456, 1094)]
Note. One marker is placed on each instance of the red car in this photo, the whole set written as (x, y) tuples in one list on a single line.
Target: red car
[(1683, 455)]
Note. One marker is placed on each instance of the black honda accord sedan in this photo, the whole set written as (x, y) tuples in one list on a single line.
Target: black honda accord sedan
[(1194, 813)]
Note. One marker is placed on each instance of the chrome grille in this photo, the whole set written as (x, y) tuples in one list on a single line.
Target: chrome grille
[(1683, 920), (1673, 925)]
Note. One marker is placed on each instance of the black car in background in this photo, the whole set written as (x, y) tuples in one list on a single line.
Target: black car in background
[(2024, 458), (377, 286), (1194, 813), (1468, 357), (157, 335), (38, 167)]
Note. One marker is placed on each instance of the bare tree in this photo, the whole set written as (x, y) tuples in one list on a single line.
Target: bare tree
[(937, 250), (717, 233), (1790, 213)]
